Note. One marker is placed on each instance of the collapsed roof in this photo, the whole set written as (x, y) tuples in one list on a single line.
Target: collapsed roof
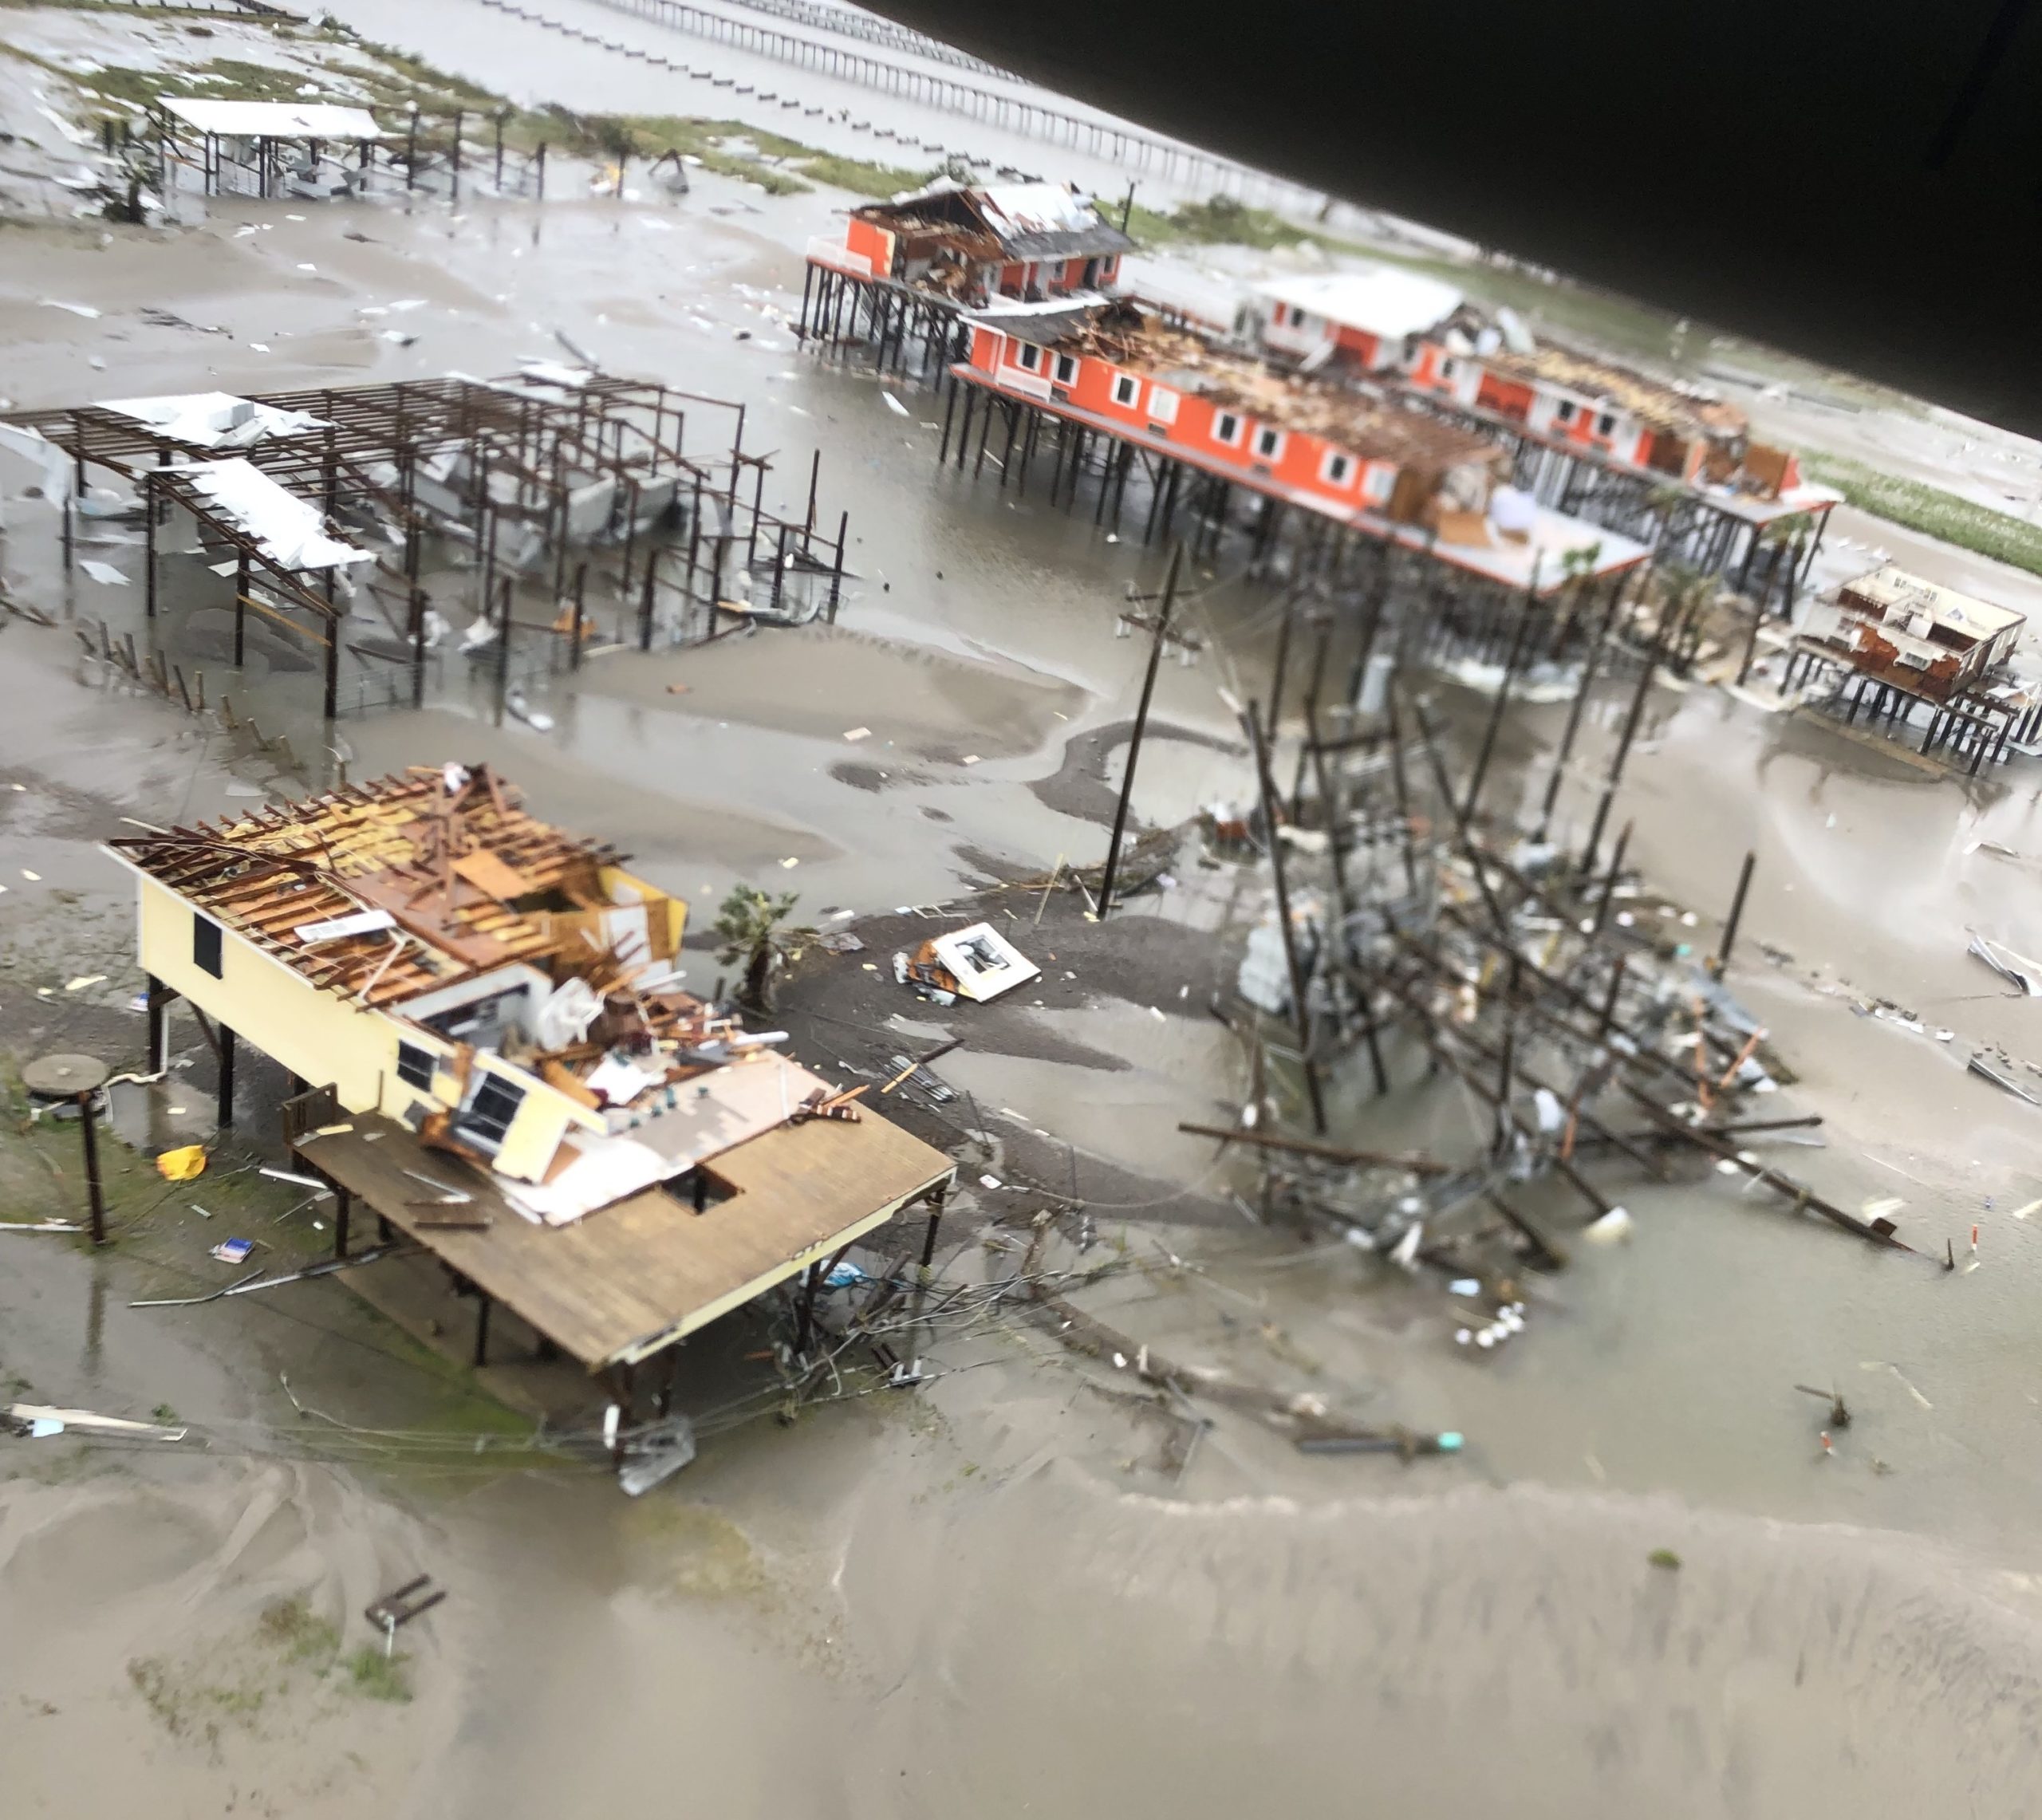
[(1681, 411), (385, 891), (1014, 221), (1899, 596), (1371, 426)]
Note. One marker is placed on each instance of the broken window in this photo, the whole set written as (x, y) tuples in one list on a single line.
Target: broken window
[(416, 1066), (206, 945), (488, 1116), (983, 955)]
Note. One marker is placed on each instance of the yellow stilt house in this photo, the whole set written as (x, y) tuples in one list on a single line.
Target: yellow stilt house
[(499, 1058)]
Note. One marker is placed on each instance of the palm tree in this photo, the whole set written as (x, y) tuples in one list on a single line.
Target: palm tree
[(756, 937)]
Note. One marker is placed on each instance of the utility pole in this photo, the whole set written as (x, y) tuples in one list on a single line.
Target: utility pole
[(1141, 725)]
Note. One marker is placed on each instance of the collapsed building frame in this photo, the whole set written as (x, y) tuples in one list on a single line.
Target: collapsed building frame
[(1587, 1023), (315, 151), (533, 480)]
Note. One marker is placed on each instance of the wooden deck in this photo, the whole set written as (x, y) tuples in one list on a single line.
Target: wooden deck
[(621, 1283)]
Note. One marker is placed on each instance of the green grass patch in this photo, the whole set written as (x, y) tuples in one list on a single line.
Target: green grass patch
[(1948, 516), (291, 1626), (375, 1676), (780, 166), (861, 177)]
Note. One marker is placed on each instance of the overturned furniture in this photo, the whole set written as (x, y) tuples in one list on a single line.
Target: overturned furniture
[(503, 1063)]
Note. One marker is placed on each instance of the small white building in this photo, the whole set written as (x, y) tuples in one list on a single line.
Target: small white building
[(1368, 318)]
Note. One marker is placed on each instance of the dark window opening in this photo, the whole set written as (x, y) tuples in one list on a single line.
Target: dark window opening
[(416, 1066), (1229, 428), (206, 945), (490, 1113), (1605, 424), (1267, 443), (1067, 369), (1031, 356), (1565, 413)]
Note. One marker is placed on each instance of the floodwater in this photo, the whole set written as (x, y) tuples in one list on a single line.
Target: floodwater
[(987, 1596)]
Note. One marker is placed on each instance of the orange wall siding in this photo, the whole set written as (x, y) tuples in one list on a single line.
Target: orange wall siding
[(873, 241), (1299, 461)]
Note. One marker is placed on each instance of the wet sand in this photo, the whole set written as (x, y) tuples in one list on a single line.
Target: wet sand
[(989, 1596)]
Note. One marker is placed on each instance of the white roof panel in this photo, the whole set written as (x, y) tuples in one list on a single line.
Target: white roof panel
[(213, 419), (1382, 299), (273, 119), (1037, 208), (289, 530)]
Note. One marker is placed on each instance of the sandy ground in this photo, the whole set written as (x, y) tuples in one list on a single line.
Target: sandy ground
[(992, 1595)]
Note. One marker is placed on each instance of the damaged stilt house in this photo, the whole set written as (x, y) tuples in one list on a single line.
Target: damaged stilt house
[(906, 271), (504, 1064), (553, 506), (1119, 393), (1656, 461), (1666, 464), (1890, 643)]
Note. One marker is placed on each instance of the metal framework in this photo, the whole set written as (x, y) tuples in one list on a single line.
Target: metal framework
[(522, 480)]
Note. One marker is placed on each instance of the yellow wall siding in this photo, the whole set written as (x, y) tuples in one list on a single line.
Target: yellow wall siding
[(535, 1133), (328, 1040), (317, 1036)]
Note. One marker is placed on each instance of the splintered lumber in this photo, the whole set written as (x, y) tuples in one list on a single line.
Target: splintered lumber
[(1327, 1152), (1874, 1232), (1085, 1333)]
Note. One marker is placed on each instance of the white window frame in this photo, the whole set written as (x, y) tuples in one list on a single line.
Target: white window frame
[(1221, 419), (1276, 440), (1127, 391), (1447, 368), (1605, 424), (1378, 483), (1028, 357), (1067, 369), (1563, 411), (1162, 405), (1341, 460)]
